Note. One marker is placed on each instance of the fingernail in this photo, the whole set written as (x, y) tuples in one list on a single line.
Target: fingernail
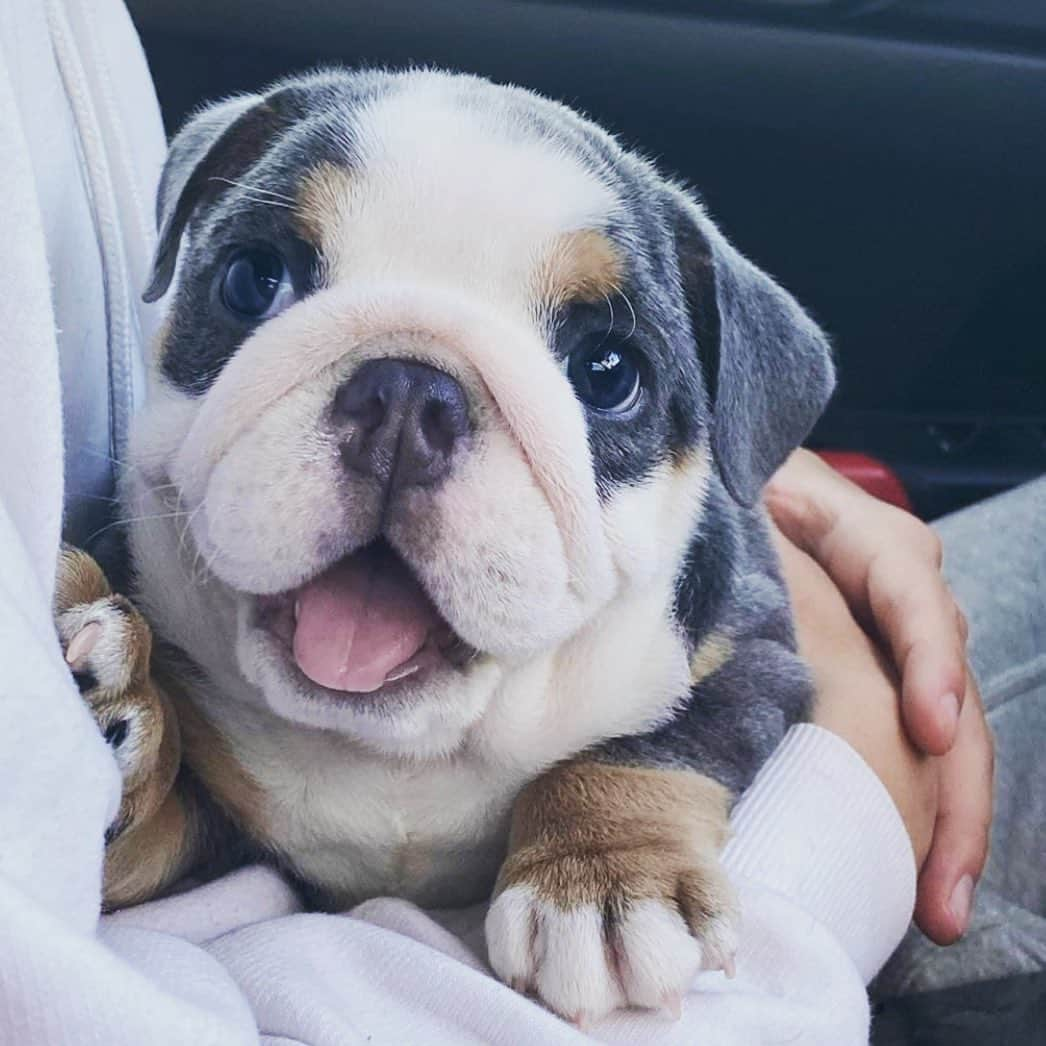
[(950, 712), (961, 901)]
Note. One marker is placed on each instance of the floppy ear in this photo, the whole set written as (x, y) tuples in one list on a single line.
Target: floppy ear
[(218, 144), (767, 365)]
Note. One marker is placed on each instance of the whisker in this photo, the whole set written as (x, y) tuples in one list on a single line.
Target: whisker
[(123, 464), (106, 457), (262, 202), (624, 297), (79, 496), (200, 577), (194, 574), (128, 522), (255, 189)]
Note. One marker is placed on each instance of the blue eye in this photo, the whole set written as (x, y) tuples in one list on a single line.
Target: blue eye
[(256, 284), (606, 376)]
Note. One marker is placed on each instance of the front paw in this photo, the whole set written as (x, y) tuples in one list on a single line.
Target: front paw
[(108, 646), (615, 903)]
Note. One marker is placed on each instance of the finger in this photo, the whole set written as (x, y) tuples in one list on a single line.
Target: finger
[(960, 838), (914, 613), (887, 566), (805, 520), (933, 678)]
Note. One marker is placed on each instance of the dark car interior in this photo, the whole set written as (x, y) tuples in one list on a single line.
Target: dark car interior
[(884, 159)]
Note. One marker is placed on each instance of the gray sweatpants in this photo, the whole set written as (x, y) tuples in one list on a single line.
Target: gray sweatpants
[(995, 560)]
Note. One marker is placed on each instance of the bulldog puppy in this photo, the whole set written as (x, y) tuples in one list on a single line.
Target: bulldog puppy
[(445, 513)]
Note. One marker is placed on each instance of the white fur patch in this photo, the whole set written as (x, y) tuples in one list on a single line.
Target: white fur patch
[(574, 972), (560, 955), (457, 195), (658, 956), (512, 937), (583, 968), (648, 525)]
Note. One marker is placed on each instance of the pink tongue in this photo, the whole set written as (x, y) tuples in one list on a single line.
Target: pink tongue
[(359, 621)]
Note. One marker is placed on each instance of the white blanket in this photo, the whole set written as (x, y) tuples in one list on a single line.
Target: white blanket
[(822, 859)]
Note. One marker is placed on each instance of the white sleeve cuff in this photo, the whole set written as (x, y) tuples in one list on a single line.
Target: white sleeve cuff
[(819, 827)]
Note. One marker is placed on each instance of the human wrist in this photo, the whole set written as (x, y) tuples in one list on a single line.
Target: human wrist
[(869, 721)]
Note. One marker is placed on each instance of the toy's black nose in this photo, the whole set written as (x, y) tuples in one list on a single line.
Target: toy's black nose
[(402, 422)]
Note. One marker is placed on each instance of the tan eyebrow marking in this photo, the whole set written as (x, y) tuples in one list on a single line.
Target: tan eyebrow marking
[(584, 265), (711, 654), (320, 203)]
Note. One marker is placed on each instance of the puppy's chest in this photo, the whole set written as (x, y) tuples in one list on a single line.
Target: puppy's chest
[(359, 825), (435, 835)]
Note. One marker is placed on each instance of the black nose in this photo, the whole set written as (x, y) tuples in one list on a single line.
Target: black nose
[(402, 421)]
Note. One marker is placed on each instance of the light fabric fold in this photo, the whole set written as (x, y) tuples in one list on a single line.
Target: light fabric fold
[(827, 836)]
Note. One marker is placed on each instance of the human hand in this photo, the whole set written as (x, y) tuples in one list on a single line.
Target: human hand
[(856, 693), (886, 565)]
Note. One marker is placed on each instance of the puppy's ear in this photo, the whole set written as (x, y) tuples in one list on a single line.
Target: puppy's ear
[(767, 366), (217, 145)]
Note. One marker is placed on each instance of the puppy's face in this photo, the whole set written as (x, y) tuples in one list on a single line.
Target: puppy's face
[(437, 389)]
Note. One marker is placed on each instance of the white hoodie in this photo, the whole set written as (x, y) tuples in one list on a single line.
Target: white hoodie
[(821, 857)]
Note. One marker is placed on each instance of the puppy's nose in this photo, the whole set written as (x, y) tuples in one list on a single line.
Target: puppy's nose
[(404, 420)]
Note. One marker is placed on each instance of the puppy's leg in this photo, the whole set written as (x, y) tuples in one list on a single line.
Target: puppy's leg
[(109, 648), (612, 893)]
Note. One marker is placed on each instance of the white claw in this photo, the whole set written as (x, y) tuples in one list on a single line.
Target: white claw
[(672, 1003), (81, 645), (582, 1021)]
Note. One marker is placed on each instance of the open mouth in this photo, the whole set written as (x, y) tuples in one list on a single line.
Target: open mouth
[(363, 624)]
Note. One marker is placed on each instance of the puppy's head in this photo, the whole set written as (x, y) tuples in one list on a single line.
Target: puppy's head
[(446, 373)]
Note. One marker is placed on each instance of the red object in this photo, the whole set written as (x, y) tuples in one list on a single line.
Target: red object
[(870, 474)]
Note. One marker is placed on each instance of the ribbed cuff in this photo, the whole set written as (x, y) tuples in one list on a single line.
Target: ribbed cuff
[(819, 827)]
